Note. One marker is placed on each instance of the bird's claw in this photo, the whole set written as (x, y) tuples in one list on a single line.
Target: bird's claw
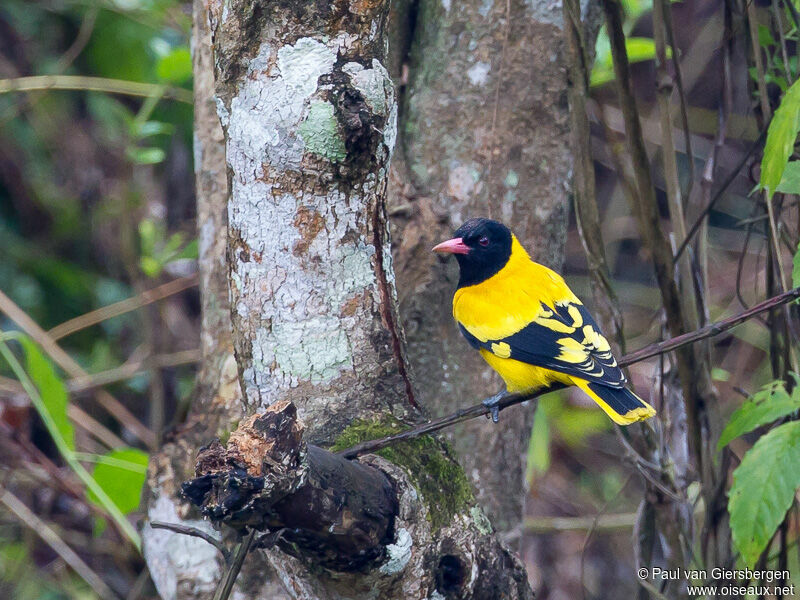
[(493, 404)]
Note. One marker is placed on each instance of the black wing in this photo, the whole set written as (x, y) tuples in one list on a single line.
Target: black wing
[(564, 338)]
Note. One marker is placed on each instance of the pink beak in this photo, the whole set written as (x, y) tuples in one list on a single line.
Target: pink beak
[(454, 246)]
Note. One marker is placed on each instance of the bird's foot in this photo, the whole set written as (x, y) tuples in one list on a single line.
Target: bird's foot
[(493, 404)]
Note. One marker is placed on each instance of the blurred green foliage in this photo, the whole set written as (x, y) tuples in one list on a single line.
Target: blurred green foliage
[(31, 584), (765, 483), (58, 274), (781, 138), (96, 205), (48, 394)]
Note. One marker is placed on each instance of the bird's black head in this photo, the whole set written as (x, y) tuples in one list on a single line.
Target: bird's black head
[(481, 246)]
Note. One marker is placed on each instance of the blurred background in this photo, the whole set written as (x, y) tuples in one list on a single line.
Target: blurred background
[(98, 270)]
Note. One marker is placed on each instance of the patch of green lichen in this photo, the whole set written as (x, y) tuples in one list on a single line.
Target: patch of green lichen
[(481, 521), (320, 132), (436, 475)]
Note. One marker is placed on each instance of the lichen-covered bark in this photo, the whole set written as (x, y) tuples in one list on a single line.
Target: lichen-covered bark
[(310, 119), (483, 132), (182, 566)]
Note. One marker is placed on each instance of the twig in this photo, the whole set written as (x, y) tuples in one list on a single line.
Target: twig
[(752, 22), (599, 523), (664, 86), (66, 362), (583, 184), (679, 88), (93, 84), (126, 371), (776, 13), (63, 447), (117, 374), (194, 531), (225, 586), (496, 103), (694, 380), (76, 414), (593, 528), (51, 538), (80, 41), (93, 427), (651, 589), (124, 306), (723, 188), (629, 359)]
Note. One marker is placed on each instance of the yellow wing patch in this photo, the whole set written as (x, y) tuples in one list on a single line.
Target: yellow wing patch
[(575, 314), (572, 351), (595, 339), (546, 318), (501, 349)]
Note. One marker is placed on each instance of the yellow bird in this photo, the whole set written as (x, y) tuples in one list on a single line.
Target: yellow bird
[(529, 326)]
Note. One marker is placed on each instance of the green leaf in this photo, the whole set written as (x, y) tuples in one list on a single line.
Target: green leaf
[(796, 268), (639, 49), (790, 180), (769, 404), (150, 128), (51, 388), (763, 489), (147, 236), (150, 266), (171, 247), (719, 374), (145, 156), (121, 474), (175, 67), (765, 38), (576, 423), (189, 251), (781, 137)]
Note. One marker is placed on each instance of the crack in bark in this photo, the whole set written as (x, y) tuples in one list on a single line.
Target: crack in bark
[(378, 229)]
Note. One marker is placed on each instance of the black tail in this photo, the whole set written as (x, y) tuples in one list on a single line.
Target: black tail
[(622, 405)]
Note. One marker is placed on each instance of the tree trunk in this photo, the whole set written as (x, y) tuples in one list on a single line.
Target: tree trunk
[(182, 566), (309, 120), (484, 131)]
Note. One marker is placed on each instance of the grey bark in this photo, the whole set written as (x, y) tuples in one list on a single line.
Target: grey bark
[(309, 120), (181, 566), (484, 131)]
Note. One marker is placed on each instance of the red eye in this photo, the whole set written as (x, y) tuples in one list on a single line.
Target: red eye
[(484, 241)]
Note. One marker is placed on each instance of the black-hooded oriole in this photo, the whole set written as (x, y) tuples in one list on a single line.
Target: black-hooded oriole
[(529, 326)]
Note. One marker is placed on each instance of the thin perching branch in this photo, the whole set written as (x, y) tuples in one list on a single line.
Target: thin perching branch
[(656, 349)]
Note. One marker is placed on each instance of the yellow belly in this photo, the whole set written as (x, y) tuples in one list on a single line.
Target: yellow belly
[(522, 377)]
